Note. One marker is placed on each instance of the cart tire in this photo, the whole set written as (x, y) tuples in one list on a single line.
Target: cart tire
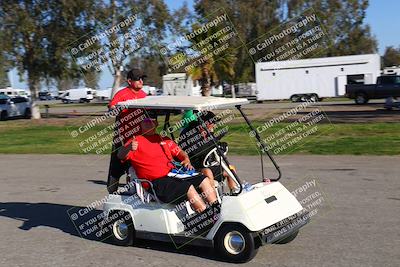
[(121, 228), (4, 116), (295, 98), (234, 243), (27, 114), (314, 97), (361, 99), (288, 239)]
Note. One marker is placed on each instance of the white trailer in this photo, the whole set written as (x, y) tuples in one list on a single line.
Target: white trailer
[(78, 95), (180, 84), (149, 90), (315, 78)]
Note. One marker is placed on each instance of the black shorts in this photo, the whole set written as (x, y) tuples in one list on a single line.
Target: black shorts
[(174, 190), (218, 172)]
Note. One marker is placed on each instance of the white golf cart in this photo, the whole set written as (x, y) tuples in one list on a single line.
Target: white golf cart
[(263, 213)]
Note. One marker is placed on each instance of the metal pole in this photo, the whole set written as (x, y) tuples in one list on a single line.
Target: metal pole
[(264, 149)]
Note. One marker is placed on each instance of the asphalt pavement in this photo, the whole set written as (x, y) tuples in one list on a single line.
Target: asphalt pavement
[(358, 224)]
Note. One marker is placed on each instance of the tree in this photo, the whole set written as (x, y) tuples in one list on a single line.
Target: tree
[(344, 22), (391, 57), (5, 63), (134, 28), (250, 19), (213, 71), (342, 19), (152, 65), (197, 58), (37, 41), (4, 81), (91, 79), (66, 83)]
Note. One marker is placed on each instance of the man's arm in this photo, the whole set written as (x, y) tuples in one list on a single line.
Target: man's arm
[(178, 153), (185, 161), (124, 150)]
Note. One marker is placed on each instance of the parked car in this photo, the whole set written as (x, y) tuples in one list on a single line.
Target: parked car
[(386, 86), (45, 96), (18, 106)]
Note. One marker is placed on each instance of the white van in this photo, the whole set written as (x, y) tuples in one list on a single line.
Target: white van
[(11, 92), (78, 95)]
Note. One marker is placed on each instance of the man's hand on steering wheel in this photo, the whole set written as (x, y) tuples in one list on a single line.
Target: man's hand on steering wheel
[(186, 163)]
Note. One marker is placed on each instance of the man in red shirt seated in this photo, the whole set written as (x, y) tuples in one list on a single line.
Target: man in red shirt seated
[(150, 155), (127, 124)]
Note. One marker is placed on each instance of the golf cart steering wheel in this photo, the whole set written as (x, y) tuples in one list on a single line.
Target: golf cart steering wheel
[(212, 158)]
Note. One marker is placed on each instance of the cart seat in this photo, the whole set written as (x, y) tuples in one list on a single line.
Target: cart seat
[(137, 188), (148, 196)]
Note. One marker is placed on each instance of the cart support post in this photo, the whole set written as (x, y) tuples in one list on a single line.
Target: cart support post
[(263, 147), (166, 123)]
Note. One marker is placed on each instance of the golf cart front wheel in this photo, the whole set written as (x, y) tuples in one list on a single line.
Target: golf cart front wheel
[(122, 230), (235, 244)]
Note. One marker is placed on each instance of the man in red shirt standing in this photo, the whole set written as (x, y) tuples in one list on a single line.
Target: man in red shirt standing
[(151, 156), (127, 124)]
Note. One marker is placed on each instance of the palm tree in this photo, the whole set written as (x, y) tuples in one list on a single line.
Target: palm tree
[(215, 68)]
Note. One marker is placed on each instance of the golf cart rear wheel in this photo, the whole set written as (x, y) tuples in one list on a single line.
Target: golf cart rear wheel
[(121, 228), (288, 239), (235, 244)]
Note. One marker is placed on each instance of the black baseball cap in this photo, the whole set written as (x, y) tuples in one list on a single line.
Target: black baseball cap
[(135, 74)]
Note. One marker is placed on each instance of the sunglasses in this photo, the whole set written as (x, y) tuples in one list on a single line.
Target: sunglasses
[(138, 79)]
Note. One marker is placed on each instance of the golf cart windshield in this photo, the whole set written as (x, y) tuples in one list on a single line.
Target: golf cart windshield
[(173, 104)]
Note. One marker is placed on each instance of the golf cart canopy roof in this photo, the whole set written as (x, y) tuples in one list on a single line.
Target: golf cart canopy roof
[(184, 102)]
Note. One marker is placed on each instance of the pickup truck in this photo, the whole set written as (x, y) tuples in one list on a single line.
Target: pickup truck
[(386, 86)]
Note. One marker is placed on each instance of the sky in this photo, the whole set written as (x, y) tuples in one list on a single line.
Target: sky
[(382, 16)]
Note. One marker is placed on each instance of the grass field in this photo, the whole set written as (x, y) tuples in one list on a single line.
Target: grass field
[(53, 137)]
